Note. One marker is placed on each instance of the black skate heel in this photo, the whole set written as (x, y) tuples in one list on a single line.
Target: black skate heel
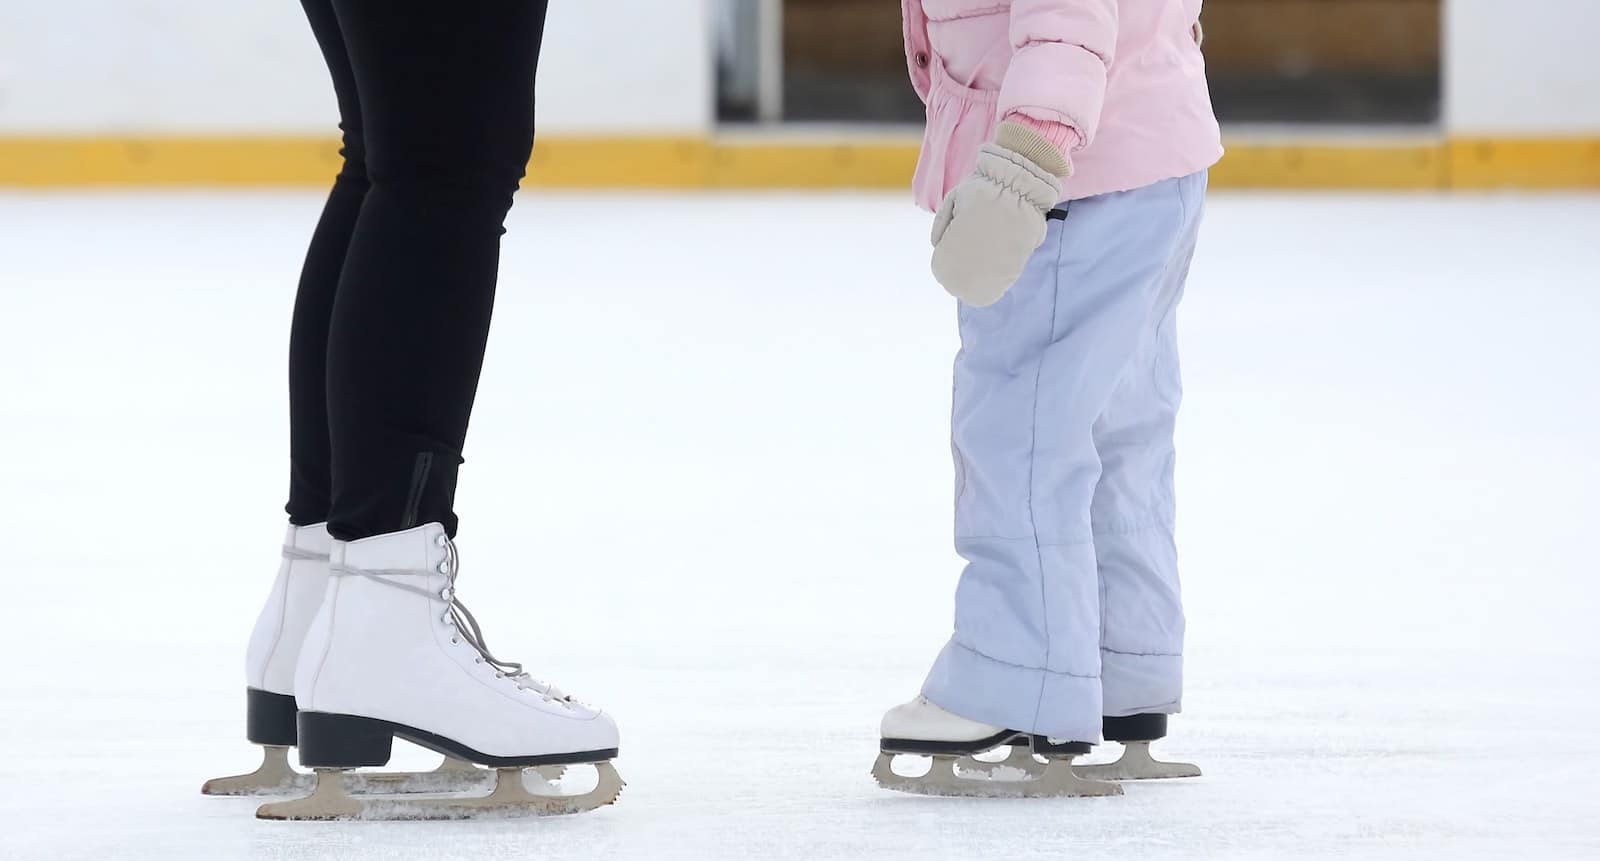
[(1134, 728), (343, 741), (1135, 733), (269, 723), (269, 718)]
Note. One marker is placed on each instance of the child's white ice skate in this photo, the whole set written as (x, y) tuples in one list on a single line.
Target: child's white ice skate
[(921, 728)]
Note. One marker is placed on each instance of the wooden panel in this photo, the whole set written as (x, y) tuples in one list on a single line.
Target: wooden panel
[(1276, 37), (1296, 37), (844, 36)]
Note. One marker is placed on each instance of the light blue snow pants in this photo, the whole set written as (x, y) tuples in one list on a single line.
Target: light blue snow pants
[(1066, 392)]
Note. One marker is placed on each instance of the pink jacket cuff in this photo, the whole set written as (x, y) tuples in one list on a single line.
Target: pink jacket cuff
[(1062, 135)]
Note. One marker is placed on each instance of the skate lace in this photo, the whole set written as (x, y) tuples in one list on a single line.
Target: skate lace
[(457, 614), (299, 555)]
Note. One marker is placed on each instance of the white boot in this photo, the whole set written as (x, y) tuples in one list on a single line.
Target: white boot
[(923, 724), (270, 663), (270, 708), (274, 648), (922, 728), (393, 653)]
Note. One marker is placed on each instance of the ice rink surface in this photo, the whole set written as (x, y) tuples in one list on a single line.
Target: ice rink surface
[(708, 487)]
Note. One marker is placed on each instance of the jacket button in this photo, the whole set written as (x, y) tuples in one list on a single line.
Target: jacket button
[(922, 59)]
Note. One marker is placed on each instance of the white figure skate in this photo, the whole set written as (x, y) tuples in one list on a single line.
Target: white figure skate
[(921, 728), (269, 694), (393, 653)]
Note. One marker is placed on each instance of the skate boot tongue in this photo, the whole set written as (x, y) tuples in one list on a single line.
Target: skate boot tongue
[(465, 623)]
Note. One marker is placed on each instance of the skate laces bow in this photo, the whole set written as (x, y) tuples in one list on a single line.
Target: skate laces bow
[(456, 614)]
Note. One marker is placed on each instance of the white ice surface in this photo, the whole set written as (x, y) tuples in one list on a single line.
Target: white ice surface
[(719, 423)]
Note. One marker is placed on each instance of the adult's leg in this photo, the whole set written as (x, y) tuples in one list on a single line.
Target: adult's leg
[(310, 477), (1141, 608), (1035, 371), (447, 107)]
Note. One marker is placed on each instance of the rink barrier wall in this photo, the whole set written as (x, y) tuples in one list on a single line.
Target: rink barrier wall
[(773, 162)]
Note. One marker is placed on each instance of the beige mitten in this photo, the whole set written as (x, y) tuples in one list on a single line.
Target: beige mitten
[(994, 220)]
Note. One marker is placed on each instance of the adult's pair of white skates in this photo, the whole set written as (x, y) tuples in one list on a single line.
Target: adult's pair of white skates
[(1035, 767), (363, 642)]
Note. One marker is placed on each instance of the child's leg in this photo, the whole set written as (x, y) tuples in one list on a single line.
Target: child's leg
[(1141, 611), (1035, 371)]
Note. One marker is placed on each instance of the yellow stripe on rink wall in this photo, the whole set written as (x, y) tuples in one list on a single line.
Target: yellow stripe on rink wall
[(774, 162), (1531, 163), (1327, 166)]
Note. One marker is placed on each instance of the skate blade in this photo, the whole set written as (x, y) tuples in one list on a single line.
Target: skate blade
[(273, 777), (276, 777), (1136, 763), (452, 775), (511, 798), (1055, 780), (1020, 764)]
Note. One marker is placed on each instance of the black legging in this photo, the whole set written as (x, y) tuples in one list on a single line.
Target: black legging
[(392, 315)]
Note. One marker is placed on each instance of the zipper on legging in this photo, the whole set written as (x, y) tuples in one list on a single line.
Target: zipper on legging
[(419, 483)]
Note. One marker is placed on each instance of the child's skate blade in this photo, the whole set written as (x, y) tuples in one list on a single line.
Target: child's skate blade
[(1136, 763), (1019, 764), (1055, 780)]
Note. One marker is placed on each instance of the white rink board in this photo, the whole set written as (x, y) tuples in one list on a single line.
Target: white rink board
[(1516, 68), (165, 67), (722, 420)]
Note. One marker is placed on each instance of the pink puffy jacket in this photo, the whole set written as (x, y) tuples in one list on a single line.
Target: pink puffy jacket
[(1120, 85)]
